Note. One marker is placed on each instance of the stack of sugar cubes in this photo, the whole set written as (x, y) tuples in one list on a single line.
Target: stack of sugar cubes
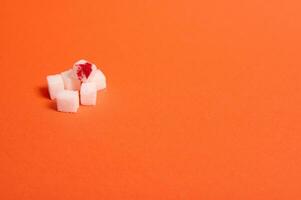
[(78, 85)]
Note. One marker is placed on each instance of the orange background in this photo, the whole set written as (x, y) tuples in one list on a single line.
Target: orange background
[(203, 100)]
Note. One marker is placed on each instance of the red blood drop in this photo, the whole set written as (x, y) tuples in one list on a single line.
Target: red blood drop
[(84, 70)]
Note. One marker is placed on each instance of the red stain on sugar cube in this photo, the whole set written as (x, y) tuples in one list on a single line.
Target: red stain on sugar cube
[(84, 70)]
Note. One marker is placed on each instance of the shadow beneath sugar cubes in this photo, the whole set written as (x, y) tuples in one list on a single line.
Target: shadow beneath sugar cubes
[(43, 92), (52, 105)]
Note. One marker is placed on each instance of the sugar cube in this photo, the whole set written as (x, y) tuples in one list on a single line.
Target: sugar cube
[(88, 93), (99, 78), (67, 101), (70, 82), (82, 69), (55, 85)]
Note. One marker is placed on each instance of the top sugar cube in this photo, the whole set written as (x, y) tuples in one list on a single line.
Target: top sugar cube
[(83, 69), (99, 79)]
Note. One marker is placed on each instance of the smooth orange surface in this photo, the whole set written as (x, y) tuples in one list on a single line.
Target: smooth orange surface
[(203, 100)]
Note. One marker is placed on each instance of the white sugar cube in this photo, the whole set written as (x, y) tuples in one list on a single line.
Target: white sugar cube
[(70, 82), (99, 78), (55, 85), (83, 69), (88, 93), (67, 101)]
